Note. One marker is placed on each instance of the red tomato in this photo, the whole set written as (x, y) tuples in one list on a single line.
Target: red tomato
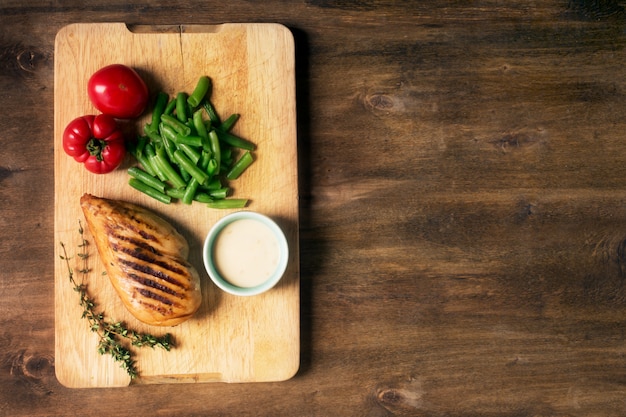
[(118, 90), (96, 141)]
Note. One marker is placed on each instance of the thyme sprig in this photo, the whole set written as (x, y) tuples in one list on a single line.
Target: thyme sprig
[(111, 333)]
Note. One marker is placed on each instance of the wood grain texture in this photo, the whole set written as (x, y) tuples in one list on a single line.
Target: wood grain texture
[(462, 210), (230, 339)]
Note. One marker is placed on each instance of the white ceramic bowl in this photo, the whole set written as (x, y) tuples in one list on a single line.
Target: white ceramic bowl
[(208, 254)]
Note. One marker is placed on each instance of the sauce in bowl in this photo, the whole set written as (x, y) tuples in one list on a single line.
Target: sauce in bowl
[(246, 253)]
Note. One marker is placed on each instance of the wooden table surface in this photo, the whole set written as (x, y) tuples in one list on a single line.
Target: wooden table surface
[(462, 208)]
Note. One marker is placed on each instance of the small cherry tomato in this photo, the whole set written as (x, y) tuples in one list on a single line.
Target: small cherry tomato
[(95, 141), (118, 90)]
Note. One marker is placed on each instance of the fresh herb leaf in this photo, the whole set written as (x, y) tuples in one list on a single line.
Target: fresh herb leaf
[(111, 333)]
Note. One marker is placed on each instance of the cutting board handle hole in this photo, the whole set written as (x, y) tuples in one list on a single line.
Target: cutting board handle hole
[(134, 28)]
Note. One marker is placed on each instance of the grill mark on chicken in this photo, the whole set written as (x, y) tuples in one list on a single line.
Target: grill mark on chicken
[(129, 234), (130, 225), (154, 284), (134, 242), (155, 307), (140, 230), (157, 259), (145, 269), (154, 296)]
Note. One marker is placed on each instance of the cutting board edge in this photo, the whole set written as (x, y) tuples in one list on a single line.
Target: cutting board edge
[(64, 376)]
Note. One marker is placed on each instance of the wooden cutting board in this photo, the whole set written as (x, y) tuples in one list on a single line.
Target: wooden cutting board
[(231, 339)]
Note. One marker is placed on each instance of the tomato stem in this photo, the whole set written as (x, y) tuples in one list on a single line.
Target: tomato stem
[(95, 147)]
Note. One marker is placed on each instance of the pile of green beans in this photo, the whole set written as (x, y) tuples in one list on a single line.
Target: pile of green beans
[(187, 152)]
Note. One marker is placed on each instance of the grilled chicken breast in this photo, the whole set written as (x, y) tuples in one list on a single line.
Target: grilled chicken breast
[(146, 260)]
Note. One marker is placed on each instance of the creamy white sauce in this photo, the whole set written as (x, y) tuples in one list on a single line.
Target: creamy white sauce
[(246, 253)]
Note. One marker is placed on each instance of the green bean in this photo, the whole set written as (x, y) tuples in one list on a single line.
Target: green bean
[(240, 166), (201, 129), (206, 144), (230, 122), (139, 152), (160, 173), (181, 107), (210, 110), (207, 152), (198, 123), (176, 193), (176, 124), (159, 108), (170, 148), (179, 194), (171, 105), (190, 151), (198, 94), (193, 184), (192, 128), (150, 154), (149, 149), (212, 168), (220, 193), (149, 191), (146, 178), (190, 167), (234, 140), (190, 191), (152, 134), (203, 198), (213, 184), (205, 158), (170, 173), (226, 153), (140, 145), (227, 163), (184, 174), (229, 203), (188, 140), (159, 149), (214, 143), (147, 165), (167, 131), (144, 161)]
